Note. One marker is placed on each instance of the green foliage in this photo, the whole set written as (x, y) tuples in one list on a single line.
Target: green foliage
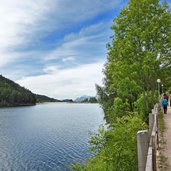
[(43, 98), (11, 94), (147, 99), (92, 100), (117, 147), (119, 108), (97, 140), (137, 56)]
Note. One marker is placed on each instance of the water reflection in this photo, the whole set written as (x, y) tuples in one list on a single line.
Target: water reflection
[(47, 136)]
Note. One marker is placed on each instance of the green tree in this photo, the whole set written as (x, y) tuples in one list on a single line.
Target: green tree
[(116, 148), (140, 52), (92, 100)]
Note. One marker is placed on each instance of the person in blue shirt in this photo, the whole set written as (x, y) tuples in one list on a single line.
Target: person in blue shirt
[(164, 104)]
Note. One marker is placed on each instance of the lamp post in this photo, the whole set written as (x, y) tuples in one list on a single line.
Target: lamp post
[(158, 81), (162, 88)]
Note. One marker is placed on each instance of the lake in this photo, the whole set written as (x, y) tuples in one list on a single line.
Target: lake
[(46, 137)]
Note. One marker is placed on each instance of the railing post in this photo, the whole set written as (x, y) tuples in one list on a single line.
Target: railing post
[(157, 135), (154, 154), (151, 122), (142, 145), (156, 112)]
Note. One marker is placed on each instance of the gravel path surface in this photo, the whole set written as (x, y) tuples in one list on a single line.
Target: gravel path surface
[(167, 137)]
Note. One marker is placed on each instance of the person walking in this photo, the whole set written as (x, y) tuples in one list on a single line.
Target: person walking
[(167, 96), (164, 104), (169, 100)]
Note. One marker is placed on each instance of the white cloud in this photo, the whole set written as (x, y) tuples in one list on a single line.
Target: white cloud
[(68, 59), (68, 83), (51, 69), (89, 42), (24, 27), (69, 12), (25, 21), (18, 19)]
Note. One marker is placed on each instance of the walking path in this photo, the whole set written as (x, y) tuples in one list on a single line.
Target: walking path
[(167, 137)]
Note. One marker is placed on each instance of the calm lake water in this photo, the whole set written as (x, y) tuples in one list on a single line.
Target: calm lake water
[(46, 137)]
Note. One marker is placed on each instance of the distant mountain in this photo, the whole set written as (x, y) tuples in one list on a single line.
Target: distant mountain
[(12, 94), (86, 99), (43, 98), (82, 98)]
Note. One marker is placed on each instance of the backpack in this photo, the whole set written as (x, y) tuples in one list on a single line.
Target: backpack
[(164, 102)]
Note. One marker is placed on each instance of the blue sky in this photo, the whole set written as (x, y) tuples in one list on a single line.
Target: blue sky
[(56, 47)]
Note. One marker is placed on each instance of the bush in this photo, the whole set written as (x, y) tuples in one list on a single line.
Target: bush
[(116, 148)]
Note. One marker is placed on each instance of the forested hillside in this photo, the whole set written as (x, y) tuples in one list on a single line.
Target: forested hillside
[(43, 98), (12, 94), (140, 53)]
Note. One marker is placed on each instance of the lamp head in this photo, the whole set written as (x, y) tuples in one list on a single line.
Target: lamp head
[(158, 80)]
